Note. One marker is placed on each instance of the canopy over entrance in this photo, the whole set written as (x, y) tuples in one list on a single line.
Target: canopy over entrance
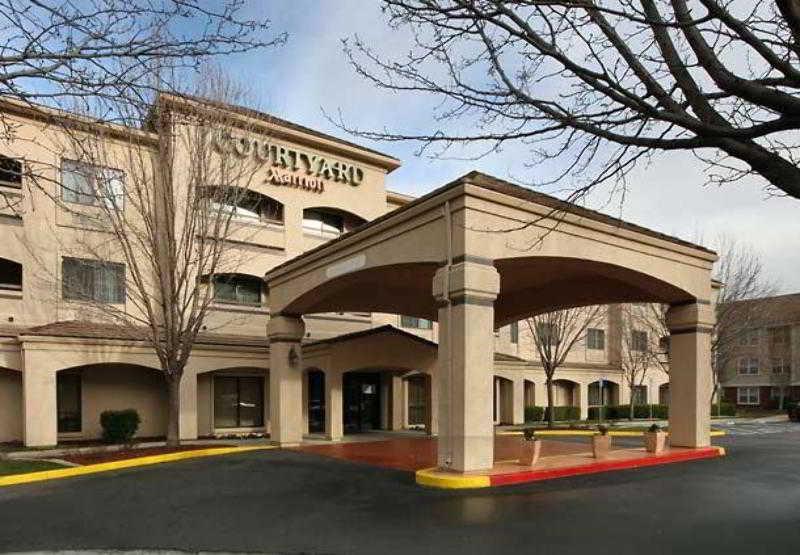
[(477, 254)]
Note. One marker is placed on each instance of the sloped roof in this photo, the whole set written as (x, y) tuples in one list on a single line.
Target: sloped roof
[(777, 310)]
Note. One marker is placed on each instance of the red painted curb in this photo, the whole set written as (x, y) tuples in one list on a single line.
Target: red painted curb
[(593, 468)]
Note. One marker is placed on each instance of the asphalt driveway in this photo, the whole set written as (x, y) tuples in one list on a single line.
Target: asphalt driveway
[(292, 502)]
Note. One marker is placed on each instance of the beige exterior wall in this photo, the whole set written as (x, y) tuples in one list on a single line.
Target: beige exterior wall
[(38, 234)]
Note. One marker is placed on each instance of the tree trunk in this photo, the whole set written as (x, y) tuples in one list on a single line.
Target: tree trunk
[(550, 419), (174, 410), (631, 406)]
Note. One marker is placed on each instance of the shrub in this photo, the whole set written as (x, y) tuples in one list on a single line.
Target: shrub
[(119, 426), (793, 410), (725, 409), (654, 428), (564, 413), (534, 414), (529, 434)]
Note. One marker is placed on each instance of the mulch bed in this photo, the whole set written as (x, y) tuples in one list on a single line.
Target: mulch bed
[(94, 458)]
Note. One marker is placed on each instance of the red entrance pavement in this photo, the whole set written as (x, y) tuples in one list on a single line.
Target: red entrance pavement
[(414, 454)]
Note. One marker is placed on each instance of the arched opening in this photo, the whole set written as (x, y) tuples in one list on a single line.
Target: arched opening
[(565, 393), (663, 394), (238, 289), (315, 383), (529, 393), (10, 275), (83, 393), (10, 405), (503, 406), (329, 223), (608, 395), (242, 204)]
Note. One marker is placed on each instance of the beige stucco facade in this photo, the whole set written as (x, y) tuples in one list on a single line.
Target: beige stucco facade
[(473, 258)]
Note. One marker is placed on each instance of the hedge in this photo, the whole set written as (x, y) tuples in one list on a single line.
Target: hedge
[(660, 412), (534, 414), (539, 414), (119, 426)]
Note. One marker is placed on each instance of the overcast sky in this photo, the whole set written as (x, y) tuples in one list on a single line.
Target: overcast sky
[(311, 74)]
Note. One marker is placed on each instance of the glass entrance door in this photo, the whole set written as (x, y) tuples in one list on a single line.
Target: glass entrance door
[(362, 402), (316, 402)]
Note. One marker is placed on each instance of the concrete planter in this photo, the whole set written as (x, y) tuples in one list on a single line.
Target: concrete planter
[(529, 452), (601, 444), (654, 442)]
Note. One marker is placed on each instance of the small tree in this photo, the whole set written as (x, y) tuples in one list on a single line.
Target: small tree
[(554, 335), (641, 346)]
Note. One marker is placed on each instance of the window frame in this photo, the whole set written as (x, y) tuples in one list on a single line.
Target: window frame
[(748, 389), (115, 201), (780, 366), (14, 184), (747, 369), (96, 267), (513, 331), (415, 323), (639, 341), (592, 334), (242, 279)]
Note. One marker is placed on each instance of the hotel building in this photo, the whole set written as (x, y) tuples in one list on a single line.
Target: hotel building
[(364, 365)]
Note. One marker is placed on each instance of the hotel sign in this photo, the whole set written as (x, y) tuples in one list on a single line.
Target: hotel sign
[(290, 167)]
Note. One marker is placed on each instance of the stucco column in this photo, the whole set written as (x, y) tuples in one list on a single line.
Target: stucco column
[(624, 392), (334, 424), (540, 392), (398, 398), (286, 379), (187, 422), (433, 405), (518, 401), (40, 414), (690, 328), (583, 400), (466, 293)]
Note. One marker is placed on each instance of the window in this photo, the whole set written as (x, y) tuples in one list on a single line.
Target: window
[(780, 366), (243, 204), (416, 401), (546, 333), (639, 394), (417, 323), (238, 401), (779, 336), (747, 396), (10, 275), (92, 280), (596, 339), (323, 223), (92, 185), (638, 341), (514, 331), (10, 172), (68, 402), (749, 338), (237, 289), (748, 366)]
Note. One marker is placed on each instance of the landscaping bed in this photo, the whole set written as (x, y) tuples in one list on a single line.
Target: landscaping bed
[(109, 456)]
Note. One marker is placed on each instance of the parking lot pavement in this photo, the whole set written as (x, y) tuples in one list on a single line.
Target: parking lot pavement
[(291, 502), (757, 428)]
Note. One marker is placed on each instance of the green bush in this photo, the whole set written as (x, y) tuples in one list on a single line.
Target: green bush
[(534, 414), (622, 412), (564, 413), (726, 409), (119, 426), (793, 410)]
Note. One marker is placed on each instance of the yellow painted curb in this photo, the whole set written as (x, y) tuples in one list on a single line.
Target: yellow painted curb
[(445, 480), (126, 463), (576, 433)]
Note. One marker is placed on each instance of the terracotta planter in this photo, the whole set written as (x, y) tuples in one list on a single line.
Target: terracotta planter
[(654, 441), (529, 452), (601, 445)]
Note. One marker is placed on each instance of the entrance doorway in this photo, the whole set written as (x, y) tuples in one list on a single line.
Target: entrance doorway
[(316, 402), (362, 402)]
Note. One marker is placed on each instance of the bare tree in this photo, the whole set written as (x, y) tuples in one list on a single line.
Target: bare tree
[(596, 88), (738, 310), (642, 348), (160, 213), (554, 335)]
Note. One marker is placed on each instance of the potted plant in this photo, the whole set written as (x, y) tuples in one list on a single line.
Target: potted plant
[(655, 439), (601, 442), (531, 447)]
